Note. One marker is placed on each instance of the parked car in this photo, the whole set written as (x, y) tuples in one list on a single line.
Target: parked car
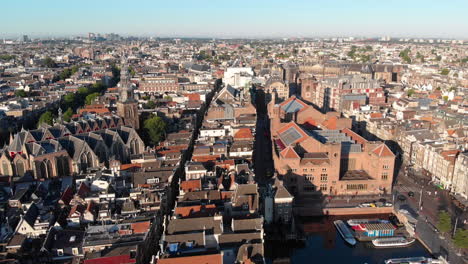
[(401, 197)]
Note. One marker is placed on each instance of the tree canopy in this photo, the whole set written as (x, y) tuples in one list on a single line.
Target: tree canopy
[(410, 92), (47, 118), (445, 71), (20, 93), (68, 114), (154, 127), (404, 55), (461, 238), (90, 98), (444, 222), (49, 62)]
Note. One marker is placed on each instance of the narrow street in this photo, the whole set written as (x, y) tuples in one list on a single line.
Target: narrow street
[(263, 162), (427, 201)]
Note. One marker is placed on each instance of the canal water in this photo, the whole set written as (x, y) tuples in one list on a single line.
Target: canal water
[(323, 244)]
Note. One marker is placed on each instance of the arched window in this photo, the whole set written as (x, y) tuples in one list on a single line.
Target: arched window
[(83, 162), (20, 168), (90, 160), (5, 168), (42, 170), (135, 147), (50, 169), (59, 168)]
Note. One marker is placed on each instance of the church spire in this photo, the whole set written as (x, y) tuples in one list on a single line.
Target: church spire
[(125, 84)]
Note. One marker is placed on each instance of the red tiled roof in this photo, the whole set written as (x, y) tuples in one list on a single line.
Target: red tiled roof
[(330, 123), (193, 97), (243, 133), (289, 153), (450, 155), (311, 122), (130, 166), (376, 115), (196, 210), (383, 151), (141, 227), (203, 259), (191, 185)]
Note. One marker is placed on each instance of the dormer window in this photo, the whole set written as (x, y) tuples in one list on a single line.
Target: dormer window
[(60, 252)]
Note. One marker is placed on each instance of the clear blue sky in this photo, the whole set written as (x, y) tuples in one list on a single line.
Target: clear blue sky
[(237, 18)]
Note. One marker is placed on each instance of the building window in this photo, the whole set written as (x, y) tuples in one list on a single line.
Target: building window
[(384, 175), (304, 170), (324, 169), (356, 186), (323, 177), (386, 167), (59, 252), (310, 178), (323, 187)]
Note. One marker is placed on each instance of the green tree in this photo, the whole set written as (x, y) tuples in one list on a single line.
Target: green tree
[(461, 238), (68, 114), (47, 118), (410, 92), (135, 48), (445, 71), (445, 98), (49, 62), (20, 93), (155, 128), (90, 98), (150, 105), (132, 71), (404, 55), (7, 57), (444, 223)]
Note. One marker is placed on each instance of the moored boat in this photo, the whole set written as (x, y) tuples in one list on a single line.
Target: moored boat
[(413, 260), (355, 222), (345, 232), (398, 241)]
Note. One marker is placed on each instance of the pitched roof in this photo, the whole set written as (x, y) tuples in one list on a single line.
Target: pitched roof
[(243, 133), (383, 151), (191, 185), (293, 105), (203, 259), (289, 153), (291, 133)]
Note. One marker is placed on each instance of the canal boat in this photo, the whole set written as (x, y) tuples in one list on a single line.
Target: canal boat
[(413, 260), (345, 232), (398, 241), (356, 222)]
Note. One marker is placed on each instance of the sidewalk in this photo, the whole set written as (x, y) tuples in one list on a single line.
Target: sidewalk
[(437, 244)]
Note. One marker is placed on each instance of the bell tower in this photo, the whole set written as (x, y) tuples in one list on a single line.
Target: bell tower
[(127, 107)]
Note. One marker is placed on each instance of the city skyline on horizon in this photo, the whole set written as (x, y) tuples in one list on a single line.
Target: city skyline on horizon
[(259, 19)]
